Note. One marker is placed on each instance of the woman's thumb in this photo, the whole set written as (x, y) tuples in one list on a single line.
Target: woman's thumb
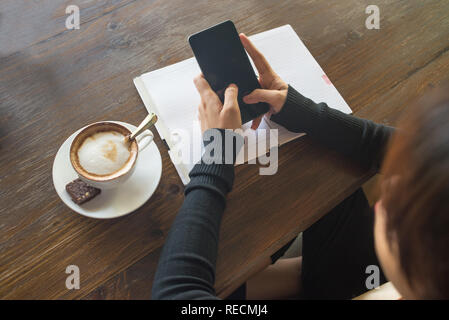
[(260, 95), (230, 96)]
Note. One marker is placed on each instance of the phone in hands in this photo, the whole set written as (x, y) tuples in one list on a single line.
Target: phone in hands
[(223, 60)]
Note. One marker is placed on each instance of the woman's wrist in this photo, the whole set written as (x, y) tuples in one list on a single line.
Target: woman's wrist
[(296, 106)]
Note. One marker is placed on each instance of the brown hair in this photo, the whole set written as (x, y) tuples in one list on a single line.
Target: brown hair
[(415, 194)]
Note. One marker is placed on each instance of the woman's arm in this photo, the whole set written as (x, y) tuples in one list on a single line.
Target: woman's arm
[(362, 140), (186, 268)]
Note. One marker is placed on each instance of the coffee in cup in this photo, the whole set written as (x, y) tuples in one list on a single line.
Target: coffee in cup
[(104, 152), (103, 156)]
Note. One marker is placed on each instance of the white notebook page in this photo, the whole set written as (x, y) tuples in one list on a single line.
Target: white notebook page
[(171, 94)]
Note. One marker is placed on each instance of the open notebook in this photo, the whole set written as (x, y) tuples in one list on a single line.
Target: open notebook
[(170, 93)]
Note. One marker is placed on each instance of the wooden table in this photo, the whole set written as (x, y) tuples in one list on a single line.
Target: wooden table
[(54, 81)]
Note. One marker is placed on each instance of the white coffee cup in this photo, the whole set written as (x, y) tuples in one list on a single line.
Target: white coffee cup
[(118, 177)]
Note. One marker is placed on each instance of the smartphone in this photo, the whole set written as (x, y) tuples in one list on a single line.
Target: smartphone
[(223, 60)]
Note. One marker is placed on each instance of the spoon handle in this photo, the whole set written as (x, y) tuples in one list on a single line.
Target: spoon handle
[(148, 122)]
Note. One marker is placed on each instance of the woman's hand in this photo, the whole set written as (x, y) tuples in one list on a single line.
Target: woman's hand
[(274, 89), (212, 113)]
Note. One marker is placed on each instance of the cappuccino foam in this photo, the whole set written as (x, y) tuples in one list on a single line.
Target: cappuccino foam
[(104, 153)]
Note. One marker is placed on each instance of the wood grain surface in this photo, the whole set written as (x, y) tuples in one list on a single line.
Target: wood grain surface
[(54, 81)]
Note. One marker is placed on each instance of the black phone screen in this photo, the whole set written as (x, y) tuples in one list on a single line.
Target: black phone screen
[(223, 60)]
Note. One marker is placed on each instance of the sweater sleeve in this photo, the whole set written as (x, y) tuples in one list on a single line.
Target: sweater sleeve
[(362, 140), (186, 268)]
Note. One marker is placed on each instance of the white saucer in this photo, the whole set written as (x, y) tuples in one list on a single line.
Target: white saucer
[(115, 202)]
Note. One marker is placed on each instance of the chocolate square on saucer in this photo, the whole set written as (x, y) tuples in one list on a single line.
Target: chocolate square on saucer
[(81, 192)]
